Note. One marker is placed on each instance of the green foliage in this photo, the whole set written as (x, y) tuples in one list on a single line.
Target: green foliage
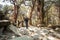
[(5, 9)]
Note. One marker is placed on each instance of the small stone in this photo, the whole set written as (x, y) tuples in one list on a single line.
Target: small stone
[(35, 36), (45, 38), (51, 38), (24, 32)]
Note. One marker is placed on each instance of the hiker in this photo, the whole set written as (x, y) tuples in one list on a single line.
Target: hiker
[(26, 22)]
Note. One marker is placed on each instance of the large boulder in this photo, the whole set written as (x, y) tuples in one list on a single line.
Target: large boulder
[(22, 38), (14, 29)]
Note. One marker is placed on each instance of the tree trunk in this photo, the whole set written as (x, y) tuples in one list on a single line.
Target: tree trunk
[(32, 11), (15, 11), (40, 9)]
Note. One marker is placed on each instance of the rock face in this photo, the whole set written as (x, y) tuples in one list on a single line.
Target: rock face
[(22, 38), (33, 33), (14, 29), (39, 33), (24, 32)]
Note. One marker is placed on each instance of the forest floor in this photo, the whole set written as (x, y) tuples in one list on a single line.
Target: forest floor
[(32, 33)]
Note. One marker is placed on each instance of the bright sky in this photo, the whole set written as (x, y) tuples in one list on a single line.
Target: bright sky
[(5, 3)]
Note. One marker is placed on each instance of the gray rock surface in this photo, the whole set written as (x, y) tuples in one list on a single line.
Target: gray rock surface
[(22, 38), (32, 33)]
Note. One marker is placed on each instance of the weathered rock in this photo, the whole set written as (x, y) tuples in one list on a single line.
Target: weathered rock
[(14, 29), (33, 32), (45, 38), (33, 29), (43, 32), (35, 37), (51, 38), (24, 31), (22, 38)]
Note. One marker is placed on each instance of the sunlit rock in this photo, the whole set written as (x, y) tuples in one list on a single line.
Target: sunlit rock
[(22, 38), (24, 31), (14, 29)]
